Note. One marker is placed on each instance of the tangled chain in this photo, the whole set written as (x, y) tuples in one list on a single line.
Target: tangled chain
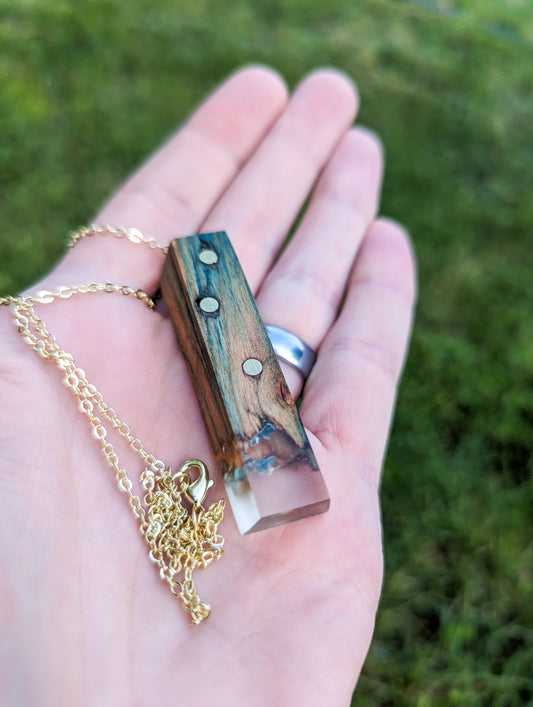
[(180, 537)]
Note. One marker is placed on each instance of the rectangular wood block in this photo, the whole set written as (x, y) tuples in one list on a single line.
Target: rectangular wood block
[(263, 453)]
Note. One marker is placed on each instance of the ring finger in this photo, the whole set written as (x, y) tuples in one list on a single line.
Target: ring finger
[(303, 291)]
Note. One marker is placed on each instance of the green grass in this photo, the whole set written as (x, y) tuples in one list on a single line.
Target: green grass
[(88, 89)]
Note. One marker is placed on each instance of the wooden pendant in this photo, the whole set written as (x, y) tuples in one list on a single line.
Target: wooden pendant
[(269, 469)]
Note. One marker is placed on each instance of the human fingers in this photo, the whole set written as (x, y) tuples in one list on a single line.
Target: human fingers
[(173, 191), (262, 203), (350, 393), (303, 291)]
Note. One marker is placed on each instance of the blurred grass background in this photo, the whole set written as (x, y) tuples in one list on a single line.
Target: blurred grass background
[(88, 89)]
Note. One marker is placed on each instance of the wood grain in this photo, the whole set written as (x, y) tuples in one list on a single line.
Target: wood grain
[(267, 463)]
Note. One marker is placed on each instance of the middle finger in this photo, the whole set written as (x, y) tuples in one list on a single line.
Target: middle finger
[(260, 206)]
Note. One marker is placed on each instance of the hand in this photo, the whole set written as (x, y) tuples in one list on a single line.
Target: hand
[(85, 618)]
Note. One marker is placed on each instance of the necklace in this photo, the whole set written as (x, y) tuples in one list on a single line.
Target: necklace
[(181, 534)]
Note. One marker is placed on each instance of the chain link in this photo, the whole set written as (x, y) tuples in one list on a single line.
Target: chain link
[(179, 538), (132, 234), (62, 292)]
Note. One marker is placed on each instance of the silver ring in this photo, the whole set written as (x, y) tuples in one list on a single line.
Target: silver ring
[(291, 349)]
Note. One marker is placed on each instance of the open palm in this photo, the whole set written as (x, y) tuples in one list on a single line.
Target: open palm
[(85, 618)]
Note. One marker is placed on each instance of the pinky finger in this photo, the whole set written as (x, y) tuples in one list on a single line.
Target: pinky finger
[(349, 397)]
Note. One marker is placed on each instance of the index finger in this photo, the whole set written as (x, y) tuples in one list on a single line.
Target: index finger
[(171, 194)]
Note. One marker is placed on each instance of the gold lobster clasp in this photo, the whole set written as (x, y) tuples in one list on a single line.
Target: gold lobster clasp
[(197, 490)]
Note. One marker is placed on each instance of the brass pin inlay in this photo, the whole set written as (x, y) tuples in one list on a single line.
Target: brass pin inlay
[(209, 305), (208, 257), (252, 367)]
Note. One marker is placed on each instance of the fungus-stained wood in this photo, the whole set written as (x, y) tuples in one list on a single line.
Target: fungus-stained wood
[(265, 458)]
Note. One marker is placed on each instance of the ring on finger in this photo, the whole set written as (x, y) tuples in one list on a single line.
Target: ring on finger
[(291, 349)]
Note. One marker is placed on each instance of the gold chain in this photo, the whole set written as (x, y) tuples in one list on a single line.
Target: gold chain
[(46, 296), (180, 537), (132, 234)]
